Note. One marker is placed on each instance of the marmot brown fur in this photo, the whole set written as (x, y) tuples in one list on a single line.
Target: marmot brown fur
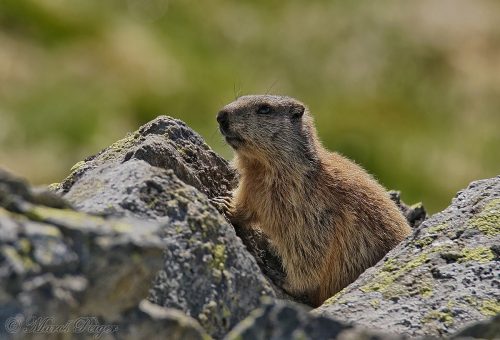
[(328, 219)]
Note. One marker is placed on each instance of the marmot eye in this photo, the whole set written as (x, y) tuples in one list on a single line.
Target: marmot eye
[(264, 109)]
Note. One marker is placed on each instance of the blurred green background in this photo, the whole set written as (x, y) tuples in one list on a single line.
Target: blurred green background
[(410, 90)]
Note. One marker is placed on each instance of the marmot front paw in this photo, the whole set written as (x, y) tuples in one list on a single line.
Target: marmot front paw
[(223, 204)]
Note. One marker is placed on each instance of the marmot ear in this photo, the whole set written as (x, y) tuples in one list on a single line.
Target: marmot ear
[(297, 110)]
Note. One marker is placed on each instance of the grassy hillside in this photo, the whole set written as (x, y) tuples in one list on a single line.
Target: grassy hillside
[(409, 90)]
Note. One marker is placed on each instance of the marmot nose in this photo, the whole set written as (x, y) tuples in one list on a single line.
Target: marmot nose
[(223, 119)]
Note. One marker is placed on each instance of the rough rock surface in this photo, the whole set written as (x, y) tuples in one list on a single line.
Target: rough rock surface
[(63, 266), (166, 143), (443, 276), (287, 320), (154, 231), (150, 321), (488, 329), (415, 214), (207, 271), (169, 144)]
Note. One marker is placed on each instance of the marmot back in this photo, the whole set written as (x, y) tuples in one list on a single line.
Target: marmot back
[(328, 219)]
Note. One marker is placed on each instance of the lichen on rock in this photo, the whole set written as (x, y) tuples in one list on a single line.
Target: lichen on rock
[(442, 276), (132, 237), (65, 265), (165, 173)]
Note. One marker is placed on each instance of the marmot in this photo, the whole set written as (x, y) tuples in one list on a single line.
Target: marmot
[(327, 218)]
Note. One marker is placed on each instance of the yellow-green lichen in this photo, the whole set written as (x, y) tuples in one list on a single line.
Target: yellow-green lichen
[(490, 307), (437, 228), (335, 298), (488, 221), (54, 186), (42, 214), (390, 265), (388, 275), (226, 313), (479, 254), (219, 256), (444, 317), (395, 291), (24, 245), (122, 143), (424, 241), (425, 290), (12, 215), (418, 205), (19, 260), (470, 300), (77, 166), (4, 212), (487, 307), (375, 303), (74, 219), (121, 227), (49, 231), (12, 254)]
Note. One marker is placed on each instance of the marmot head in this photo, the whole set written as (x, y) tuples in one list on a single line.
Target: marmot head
[(265, 126)]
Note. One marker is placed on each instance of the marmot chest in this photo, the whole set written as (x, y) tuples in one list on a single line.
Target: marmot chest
[(279, 205)]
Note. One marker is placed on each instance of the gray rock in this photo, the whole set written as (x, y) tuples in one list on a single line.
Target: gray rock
[(150, 321), (489, 329), (207, 271), (415, 214), (86, 273), (283, 320), (443, 276), (169, 144), (14, 191), (166, 143), (153, 231)]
